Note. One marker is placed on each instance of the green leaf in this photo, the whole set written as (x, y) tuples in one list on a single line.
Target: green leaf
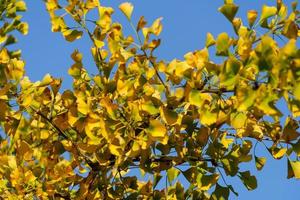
[(248, 180), (260, 162), (229, 11), (172, 174)]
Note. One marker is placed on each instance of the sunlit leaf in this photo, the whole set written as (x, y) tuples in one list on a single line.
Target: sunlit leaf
[(157, 130), (293, 169), (251, 16), (127, 9), (267, 11), (229, 10), (209, 40), (223, 44)]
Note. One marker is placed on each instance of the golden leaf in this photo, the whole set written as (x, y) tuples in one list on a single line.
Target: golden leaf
[(127, 9)]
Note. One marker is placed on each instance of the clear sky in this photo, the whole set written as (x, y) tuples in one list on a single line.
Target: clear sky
[(185, 26)]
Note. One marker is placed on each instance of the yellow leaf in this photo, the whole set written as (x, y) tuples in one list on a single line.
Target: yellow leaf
[(149, 107), (172, 174), (226, 141), (44, 134), (209, 40), (3, 38), (105, 131), (90, 4), (293, 169), (105, 18), (229, 10), (4, 57), (46, 80), (297, 91), (23, 28), (170, 117), (92, 128), (251, 15), (141, 24), (110, 107), (135, 150), (278, 153), (238, 120), (58, 23), (198, 99), (52, 5), (99, 44), (156, 27), (82, 106), (12, 163), (257, 132), (76, 56), (208, 117), (268, 11), (156, 130), (150, 73), (15, 177), (223, 44), (71, 35), (182, 69), (16, 69), (127, 9)]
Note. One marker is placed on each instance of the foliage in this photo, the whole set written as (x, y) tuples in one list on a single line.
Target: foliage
[(192, 118)]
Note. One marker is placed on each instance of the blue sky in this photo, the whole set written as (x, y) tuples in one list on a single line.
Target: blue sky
[(185, 26)]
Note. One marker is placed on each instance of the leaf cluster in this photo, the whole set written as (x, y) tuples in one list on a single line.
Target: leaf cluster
[(191, 119)]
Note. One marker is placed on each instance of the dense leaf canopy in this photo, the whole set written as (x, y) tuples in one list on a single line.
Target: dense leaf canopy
[(193, 118)]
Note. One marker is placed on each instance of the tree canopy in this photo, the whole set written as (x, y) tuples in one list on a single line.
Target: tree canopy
[(193, 118)]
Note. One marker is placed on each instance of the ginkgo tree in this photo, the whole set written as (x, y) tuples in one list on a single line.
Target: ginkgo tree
[(194, 118)]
